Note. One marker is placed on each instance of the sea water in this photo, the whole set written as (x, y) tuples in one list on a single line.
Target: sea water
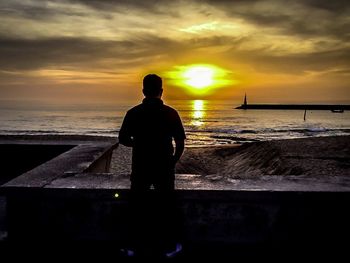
[(205, 122)]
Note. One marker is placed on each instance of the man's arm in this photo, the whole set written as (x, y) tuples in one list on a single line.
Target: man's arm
[(179, 149), (125, 136), (179, 137)]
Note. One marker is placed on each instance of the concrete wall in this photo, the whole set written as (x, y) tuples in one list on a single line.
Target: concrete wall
[(217, 218), (101, 164), (17, 159), (32, 163), (63, 200)]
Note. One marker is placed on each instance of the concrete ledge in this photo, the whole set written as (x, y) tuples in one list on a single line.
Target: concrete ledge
[(72, 197), (84, 207), (32, 162), (83, 156), (196, 182)]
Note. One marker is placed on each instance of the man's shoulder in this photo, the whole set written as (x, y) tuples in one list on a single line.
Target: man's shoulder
[(170, 109), (135, 109), (140, 108)]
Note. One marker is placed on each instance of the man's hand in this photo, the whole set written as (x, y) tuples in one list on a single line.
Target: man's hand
[(179, 149)]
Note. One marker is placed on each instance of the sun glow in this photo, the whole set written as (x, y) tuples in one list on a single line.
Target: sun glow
[(200, 79)]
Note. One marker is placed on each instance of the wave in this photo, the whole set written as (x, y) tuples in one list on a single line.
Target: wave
[(29, 132), (234, 138), (203, 137), (269, 130)]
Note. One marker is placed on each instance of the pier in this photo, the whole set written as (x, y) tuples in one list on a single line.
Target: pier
[(293, 107), (331, 107)]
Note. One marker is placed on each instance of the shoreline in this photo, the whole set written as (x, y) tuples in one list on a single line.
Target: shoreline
[(51, 137)]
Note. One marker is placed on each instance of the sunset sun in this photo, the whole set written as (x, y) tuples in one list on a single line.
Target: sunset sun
[(200, 79)]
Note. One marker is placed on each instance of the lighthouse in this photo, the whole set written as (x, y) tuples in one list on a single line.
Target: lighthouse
[(245, 104)]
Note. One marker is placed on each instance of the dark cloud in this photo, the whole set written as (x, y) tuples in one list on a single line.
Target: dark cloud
[(328, 25), (24, 54), (108, 4), (336, 6), (40, 11), (266, 62), (93, 54), (332, 6), (101, 55), (83, 54), (155, 7), (306, 18)]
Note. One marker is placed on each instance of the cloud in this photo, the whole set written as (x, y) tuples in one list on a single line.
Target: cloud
[(44, 9), (38, 10), (24, 54), (147, 5), (105, 38), (145, 49), (303, 18), (296, 64), (336, 6)]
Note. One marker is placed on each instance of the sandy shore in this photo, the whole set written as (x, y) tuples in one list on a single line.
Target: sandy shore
[(316, 157)]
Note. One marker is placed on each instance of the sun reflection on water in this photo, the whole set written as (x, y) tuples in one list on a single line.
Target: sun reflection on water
[(198, 112)]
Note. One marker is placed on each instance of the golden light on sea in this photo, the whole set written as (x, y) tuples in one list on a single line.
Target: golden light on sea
[(200, 79), (198, 112)]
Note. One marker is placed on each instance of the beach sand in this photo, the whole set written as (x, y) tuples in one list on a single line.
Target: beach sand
[(313, 157)]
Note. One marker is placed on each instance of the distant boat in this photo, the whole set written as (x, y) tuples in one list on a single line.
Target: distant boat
[(337, 110)]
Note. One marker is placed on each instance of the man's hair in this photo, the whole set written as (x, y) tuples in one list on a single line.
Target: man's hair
[(152, 85)]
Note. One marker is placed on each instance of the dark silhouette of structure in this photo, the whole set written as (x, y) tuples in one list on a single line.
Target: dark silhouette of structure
[(331, 107), (150, 128), (245, 101)]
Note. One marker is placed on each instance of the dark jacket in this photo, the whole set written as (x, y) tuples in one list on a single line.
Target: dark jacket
[(150, 128)]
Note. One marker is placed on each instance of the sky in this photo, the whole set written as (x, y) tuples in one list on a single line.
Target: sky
[(99, 50)]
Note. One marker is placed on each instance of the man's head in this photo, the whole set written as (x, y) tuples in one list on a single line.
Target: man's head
[(152, 86)]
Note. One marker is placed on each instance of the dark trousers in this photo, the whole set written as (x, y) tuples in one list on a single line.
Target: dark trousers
[(155, 221)]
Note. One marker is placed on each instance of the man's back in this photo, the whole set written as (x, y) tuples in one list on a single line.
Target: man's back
[(149, 128), (152, 126)]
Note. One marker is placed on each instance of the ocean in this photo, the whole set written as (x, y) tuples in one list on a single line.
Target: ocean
[(205, 122)]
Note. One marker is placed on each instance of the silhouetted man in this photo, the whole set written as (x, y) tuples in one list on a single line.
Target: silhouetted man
[(150, 128)]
